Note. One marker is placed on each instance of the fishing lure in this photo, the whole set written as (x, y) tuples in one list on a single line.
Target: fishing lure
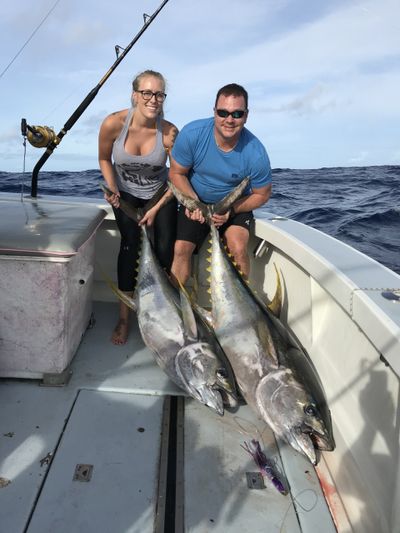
[(265, 465)]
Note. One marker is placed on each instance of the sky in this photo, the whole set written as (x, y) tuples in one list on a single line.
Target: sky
[(323, 77)]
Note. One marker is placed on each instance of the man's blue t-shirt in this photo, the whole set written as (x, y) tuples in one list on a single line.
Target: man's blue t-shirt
[(214, 172)]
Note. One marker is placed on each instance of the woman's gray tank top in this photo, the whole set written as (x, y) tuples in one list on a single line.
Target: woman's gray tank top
[(139, 175)]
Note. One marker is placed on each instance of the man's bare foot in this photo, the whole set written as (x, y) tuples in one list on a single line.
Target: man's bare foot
[(120, 333)]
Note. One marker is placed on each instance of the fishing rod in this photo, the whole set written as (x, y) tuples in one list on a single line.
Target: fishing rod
[(43, 136)]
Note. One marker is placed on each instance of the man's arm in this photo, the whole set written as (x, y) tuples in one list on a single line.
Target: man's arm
[(255, 199), (178, 176)]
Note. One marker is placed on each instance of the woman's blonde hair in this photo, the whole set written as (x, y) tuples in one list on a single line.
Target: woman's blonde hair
[(145, 74)]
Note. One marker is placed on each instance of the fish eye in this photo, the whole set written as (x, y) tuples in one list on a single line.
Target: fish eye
[(310, 410)]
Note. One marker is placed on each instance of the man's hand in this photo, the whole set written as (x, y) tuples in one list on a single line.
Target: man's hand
[(195, 215), (219, 220)]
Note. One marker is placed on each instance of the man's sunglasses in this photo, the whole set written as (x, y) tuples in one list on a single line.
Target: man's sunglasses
[(223, 113)]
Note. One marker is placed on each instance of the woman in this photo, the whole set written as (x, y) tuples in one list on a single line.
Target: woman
[(133, 148)]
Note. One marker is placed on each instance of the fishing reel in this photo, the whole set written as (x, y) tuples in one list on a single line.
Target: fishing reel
[(38, 136)]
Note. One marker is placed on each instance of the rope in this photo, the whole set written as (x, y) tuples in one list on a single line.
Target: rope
[(29, 38)]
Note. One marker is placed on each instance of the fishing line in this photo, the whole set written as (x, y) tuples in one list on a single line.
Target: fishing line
[(29, 39), (295, 502), (53, 139), (61, 103), (257, 435), (302, 507), (23, 182), (23, 168), (253, 433)]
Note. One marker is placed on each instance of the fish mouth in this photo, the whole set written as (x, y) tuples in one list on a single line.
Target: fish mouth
[(324, 442), (321, 438), (212, 399), (207, 395), (198, 381), (303, 443), (309, 442)]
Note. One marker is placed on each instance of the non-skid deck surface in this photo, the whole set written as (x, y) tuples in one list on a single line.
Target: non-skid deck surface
[(109, 416), (119, 436), (130, 368), (217, 496)]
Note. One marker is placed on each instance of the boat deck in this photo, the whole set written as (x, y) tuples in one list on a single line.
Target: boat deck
[(120, 449)]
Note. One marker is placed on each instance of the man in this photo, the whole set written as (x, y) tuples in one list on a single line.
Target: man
[(209, 158)]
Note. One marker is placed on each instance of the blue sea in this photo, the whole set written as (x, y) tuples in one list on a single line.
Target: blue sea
[(357, 205)]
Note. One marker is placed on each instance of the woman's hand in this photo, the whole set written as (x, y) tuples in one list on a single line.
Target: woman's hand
[(148, 217), (112, 199)]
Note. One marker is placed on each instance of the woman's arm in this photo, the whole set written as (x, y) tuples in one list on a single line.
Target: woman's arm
[(170, 131), (109, 131)]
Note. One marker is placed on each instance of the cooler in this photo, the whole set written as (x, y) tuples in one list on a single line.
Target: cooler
[(46, 278)]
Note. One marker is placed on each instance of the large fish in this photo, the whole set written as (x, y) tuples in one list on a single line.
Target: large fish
[(183, 345), (274, 374)]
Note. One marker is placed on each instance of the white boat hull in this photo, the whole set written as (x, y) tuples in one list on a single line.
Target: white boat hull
[(332, 304)]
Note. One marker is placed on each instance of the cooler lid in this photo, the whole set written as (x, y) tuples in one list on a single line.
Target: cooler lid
[(38, 227)]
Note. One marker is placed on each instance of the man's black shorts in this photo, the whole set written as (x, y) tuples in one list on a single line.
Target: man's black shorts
[(195, 232)]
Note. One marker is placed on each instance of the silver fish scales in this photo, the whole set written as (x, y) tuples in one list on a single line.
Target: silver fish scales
[(274, 374)]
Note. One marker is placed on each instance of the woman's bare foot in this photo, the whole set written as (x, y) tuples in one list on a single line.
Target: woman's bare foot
[(120, 333)]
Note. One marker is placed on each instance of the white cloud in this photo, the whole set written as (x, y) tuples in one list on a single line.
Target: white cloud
[(315, 100), (323, 78)]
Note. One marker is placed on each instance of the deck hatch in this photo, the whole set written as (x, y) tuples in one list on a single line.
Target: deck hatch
[(255, 480), (83, 472)]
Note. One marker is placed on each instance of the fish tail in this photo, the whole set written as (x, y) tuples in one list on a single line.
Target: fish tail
[(127, 300), (132, 212), (191, 203), (207, 210)]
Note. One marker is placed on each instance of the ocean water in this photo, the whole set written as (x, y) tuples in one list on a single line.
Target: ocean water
[(357, 205)]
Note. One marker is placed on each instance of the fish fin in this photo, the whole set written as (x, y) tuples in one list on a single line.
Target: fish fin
[(236, 265), (195, 287), (120, 294), (205, 315), (275, 306), (189, 320)]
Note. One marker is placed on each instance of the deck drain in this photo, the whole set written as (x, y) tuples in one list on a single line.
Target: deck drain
[(83, 472), (255, 480)]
